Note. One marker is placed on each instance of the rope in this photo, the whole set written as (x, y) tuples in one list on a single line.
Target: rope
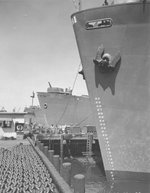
[(76, 77), (83, 120), (69, 98), (46, 120)]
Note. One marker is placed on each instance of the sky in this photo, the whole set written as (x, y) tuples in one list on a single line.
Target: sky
[(37, 46)]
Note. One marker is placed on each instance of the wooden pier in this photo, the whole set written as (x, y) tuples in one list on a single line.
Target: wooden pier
[(74, 146)]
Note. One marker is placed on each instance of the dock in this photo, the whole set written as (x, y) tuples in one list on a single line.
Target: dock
[(27, 161), (75, 146)]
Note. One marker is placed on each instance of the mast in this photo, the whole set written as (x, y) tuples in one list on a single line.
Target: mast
[(33, 96), (77, 4), (50, 85), (80, 5)]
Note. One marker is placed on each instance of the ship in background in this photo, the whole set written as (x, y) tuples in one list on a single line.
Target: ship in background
[(35, 116), (114, 47), (62, 108)]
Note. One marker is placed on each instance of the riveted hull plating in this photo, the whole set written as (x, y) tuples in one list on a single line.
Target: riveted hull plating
[(120, 99), (65, 109)]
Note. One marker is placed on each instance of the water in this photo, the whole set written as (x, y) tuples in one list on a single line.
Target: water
[(95, 180)]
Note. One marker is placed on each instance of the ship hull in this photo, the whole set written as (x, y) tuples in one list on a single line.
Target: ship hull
[(120, 98), (65, 109), (35, 115)]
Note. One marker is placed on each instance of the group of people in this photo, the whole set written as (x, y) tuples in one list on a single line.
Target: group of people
[(52, 129)]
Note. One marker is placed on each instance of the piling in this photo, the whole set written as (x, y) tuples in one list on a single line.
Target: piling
[(42, 147), (39, 145), (50, 155), (56, 162), (46, 151), (66, 172), (79, 183), (60, 183), (61, 147)]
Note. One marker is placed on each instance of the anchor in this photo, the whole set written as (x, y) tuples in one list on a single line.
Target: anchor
[(105, 62)]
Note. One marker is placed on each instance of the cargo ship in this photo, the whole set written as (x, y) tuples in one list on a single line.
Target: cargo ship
[(61, 107), (114, 47), (35, 116)]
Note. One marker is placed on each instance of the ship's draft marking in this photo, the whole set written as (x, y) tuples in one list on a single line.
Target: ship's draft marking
[(98, 23), (104, 135)]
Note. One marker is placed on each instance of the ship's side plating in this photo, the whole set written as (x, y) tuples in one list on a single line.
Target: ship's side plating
[(65, 109), (120, 94), (35, 115)]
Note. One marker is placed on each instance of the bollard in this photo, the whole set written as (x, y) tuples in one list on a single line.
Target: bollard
[(79, 183), (46, 150), (39, 145), (56, 162), (50, 155), (60, 161), (66, 172), (60, 164), (42, 147)]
